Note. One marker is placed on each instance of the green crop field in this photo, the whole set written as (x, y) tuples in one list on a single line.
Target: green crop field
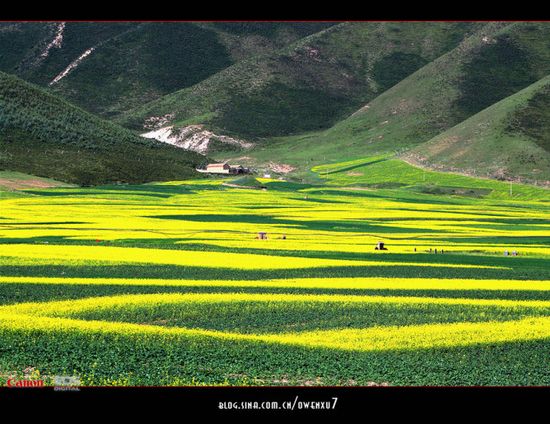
[(168, 284)]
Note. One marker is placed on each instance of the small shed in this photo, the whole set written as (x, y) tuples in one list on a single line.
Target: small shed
[(262, 235), (218, 168), (380, 246), (238, 169)]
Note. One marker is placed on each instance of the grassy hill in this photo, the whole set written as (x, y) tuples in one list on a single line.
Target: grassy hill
[(508, 140), (14, 184), (306, 93), (496, 62), (19, 42), (389, 176), (309, 84), (132, 62), (43, 135)]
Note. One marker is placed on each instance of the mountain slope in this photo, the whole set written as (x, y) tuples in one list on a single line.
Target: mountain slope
[(107, 67), (307, 85), (495, 62), (43, 135), (508, 140), (13, 184), (281, 95), (19, 41)]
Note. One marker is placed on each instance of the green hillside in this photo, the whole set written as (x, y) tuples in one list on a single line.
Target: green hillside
[(43, 135), (309, 84), (13, 184), (508, 140), (305, 93), (390, 176), (496, 62), (19, 43), (132, 62)]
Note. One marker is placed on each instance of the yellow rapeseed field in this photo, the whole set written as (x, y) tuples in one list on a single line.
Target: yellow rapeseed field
[(170, 284)]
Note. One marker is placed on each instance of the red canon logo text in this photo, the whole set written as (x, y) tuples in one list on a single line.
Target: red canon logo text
[(24, 383)]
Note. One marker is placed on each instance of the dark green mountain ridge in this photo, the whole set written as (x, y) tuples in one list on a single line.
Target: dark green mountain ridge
[(500, 60), (44, 135), (309, 84), (305, 93), (133, 62)]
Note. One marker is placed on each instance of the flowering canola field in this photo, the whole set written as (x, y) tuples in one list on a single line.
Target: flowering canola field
[(168, 284)]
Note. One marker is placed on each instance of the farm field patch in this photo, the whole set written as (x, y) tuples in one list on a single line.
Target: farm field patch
[(168, 284)]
